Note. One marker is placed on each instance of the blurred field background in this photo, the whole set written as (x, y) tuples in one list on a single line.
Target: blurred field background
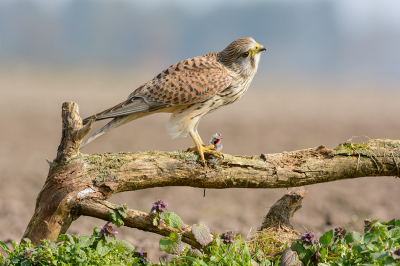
[(331, 71)]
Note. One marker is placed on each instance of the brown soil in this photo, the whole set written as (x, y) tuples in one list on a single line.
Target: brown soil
[(275, 115)]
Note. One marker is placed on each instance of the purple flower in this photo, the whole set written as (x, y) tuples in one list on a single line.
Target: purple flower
[(161, 222), (228, 237), (108, 230), (158, 206), (141, 254), (369, 226), (309, 238), (395, 252), (316, 257), (340, 232)]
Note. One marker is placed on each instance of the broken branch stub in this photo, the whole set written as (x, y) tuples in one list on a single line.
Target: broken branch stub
[(72, 132), (282, 211)]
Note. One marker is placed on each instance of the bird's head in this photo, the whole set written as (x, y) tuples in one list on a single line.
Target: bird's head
[(242, 56)]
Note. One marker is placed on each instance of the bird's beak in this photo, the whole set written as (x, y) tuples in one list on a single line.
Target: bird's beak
[(262, 48), (258, 49)]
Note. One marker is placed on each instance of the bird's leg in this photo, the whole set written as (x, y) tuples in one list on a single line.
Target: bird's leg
[(200, 146), (196, 138), (209, 147)]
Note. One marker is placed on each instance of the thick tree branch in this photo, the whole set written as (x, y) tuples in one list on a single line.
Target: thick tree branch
[(134, 171)]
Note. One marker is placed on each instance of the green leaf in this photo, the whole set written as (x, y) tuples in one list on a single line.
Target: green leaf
[(289, 258), (127, 247), (61, 238), (102, 249), (109, 239), (113, 215), (353, 237), (70, 239), (301, 251), (125, 207), (80, 256), (371, 247), (378, 255), (85, 241), (391, 222), (164, 244), (96, 231), (265, 263), (390, 262), (358, 237), (326, 238), (164, 215), (323, 253), (155, 222), (122, 213), (201, 262), (246, 253), (174, 220), (5, 248), (394, 233), (119, 222), (397, 223), (361, 248), (202, 234), (171, 245), (369, 237), (194, 253), (349, 238)]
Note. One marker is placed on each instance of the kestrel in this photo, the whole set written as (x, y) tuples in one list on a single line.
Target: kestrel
[(189, 90)]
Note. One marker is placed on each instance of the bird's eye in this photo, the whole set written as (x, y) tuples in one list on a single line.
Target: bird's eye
[(245, 54)]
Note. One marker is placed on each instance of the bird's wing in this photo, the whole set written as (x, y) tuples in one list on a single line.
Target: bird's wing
[(190, 81)]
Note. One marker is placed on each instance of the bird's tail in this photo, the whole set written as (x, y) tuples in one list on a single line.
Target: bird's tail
[(116, 122)]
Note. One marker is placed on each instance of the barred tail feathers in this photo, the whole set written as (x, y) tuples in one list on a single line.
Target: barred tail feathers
[(116, 122)]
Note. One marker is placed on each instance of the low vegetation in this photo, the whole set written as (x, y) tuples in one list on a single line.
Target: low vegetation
[(378, 245)]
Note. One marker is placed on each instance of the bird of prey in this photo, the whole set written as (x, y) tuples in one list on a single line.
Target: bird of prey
[(189, 90)]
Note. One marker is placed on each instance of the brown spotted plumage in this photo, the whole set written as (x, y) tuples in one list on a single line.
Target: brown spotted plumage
[(189, 90)]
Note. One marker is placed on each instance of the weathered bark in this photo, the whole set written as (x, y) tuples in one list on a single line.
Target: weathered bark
[(77, 183), (282, 211)]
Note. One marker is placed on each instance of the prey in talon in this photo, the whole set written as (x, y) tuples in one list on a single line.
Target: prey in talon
[(214, 146), (189, 90)]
